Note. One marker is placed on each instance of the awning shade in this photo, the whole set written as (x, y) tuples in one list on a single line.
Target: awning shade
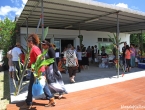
[(60, 14)]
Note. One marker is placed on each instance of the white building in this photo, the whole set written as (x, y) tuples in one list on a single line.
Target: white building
[(63, 37)]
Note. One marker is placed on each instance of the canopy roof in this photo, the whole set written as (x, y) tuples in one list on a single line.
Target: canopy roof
[(89, 15)]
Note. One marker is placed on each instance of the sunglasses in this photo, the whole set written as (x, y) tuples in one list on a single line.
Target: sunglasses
[(43, 44), (29, 40)]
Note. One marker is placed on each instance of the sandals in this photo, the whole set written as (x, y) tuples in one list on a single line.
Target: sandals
[(72, 81), (60, 96)]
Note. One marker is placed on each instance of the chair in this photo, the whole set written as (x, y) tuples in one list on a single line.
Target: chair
[(111, 61)]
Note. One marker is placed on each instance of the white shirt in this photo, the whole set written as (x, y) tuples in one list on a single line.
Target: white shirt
[(15, 53), (79, 55), (95, 50)]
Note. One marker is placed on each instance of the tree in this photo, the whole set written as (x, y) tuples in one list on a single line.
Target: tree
[(7, 30), (139, 40), (117, 42), (7, 38)]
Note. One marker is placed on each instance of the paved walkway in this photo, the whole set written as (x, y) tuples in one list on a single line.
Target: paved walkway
[(92, 78), (119, 96)]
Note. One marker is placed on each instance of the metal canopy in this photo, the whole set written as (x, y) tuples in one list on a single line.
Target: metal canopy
[(91, 15)]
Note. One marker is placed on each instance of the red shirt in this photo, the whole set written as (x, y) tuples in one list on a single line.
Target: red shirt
[(23, 58), (127, 54), (35, 51)]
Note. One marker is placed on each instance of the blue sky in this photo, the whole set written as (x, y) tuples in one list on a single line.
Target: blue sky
[(11, 8)]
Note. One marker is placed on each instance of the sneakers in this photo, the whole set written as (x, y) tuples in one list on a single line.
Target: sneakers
[(25, 106)]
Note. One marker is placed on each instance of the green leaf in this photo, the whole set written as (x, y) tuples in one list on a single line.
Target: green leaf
[(121, 43), (40, 59), (35, 75), (33, 66), (46, 62), (46, 32), (112, 39)]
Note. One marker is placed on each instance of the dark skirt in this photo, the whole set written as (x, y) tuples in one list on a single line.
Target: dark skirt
[(85, 61)]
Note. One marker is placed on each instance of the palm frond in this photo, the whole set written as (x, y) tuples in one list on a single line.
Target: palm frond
[(41, 62)]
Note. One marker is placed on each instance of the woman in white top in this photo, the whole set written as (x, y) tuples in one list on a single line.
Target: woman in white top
[(10, 63)]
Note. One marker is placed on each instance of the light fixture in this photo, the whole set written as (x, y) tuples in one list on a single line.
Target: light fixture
[(68, 26), (96, 19)]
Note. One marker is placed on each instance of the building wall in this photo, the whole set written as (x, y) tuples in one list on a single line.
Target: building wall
[(90, 38)]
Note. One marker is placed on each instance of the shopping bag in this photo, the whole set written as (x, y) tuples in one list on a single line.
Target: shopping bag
[(38, 85)]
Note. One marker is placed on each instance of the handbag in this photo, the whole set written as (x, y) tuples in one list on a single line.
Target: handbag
[(38, 85)]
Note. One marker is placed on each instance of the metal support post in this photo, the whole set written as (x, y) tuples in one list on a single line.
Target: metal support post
[(27, 26), (79, 29), (38, 25), (117, 35), (42, 20), (141, 43)]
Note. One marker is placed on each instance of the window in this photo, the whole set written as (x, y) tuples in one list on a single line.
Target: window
[(110, 39), (105, 39), (99, 39)]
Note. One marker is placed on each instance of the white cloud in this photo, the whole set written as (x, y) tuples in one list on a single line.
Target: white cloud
[(16, 2), (123, 5), (5, 10), (24, 1), (22, 6)]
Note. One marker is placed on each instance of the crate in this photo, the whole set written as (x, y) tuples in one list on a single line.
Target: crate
[(141, 65)]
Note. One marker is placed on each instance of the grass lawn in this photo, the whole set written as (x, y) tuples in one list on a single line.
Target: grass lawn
[(4, 90)]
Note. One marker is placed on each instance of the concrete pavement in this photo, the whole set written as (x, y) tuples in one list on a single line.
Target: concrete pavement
[(88, 78)]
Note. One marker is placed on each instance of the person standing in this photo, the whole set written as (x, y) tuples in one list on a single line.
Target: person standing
[(16, 55), (137, 50), (89, 53), (95, 51), (85, 59), (123, 53), (127, 58), (53, 75), (71, 62), (10, 63), (132, 55), (32, 42), (92, 53)]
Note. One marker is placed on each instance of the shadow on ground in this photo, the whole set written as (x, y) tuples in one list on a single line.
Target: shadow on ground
[(95, 72)]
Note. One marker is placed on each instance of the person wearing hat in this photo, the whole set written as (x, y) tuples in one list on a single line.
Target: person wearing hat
[(52, 71), (16, 55)]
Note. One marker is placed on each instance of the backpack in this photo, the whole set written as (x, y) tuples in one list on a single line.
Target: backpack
[(71, 60)]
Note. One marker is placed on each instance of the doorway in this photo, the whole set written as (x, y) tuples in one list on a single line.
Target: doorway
[(65, 42)]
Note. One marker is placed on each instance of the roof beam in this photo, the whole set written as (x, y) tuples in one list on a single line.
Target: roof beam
[(124, 25), (38, 2)]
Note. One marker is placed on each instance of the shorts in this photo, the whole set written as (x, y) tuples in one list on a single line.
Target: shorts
[(11, 68)]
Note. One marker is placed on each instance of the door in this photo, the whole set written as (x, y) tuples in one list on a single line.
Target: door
[(65, 42), (57, 43)]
